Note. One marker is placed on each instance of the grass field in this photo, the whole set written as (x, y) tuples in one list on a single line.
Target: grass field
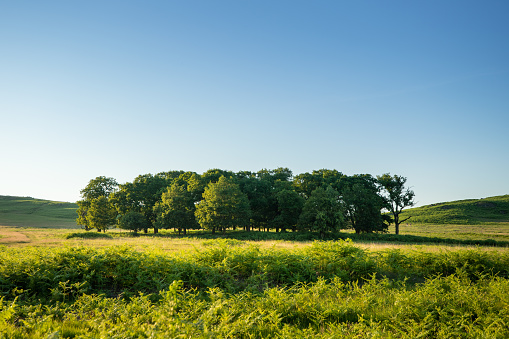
[(430, 282), (30, 212), (462, 212)]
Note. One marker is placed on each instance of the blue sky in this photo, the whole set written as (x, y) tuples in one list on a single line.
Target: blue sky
[(122, 88)]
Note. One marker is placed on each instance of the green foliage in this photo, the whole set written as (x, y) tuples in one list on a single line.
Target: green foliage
[(231, 265), (223, 206), (99, 187), (87, 235), (234, 289), (396, 196), (363, 204), (290, 205), (306, 183), (133, 221), (176, 209), (101, 215), (94, 210), (322, 212)]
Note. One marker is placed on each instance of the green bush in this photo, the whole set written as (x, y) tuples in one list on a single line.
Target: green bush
[(88, 235), (442, 307)]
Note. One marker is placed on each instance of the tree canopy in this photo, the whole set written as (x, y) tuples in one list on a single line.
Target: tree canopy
[(322, 201), (396, 196), (223, 206)]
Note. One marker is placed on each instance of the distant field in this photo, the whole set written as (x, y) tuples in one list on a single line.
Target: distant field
[(30, 212), (481, 219)]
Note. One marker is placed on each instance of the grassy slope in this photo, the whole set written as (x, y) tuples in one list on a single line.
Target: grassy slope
[(462, 212), (30, 212)]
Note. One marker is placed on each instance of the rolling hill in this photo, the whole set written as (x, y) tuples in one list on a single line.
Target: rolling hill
[(30, 212), (468, 212)]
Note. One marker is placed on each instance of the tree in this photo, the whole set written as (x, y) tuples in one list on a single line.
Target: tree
[(306, 183), (290, 205), (141, 196), (396, 196), (176, 209), (363, 204), (223, 206), (322, 212), (148, 190), (363, 209), (134, 221), (258, 192), (99, 187), (101, 214)]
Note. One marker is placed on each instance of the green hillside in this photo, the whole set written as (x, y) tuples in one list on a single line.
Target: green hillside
[(468, 212), (30, 212)]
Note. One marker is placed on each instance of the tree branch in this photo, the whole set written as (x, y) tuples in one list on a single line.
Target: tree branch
[(402, 221)]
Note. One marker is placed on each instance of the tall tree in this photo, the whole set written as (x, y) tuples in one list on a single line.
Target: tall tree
[(363, 209), (148, 189), (176, 209), (363, 204), (99, 187), (290, 205), (101, 214), (223, 206), (259, 193), (322, 212), (396, 196)]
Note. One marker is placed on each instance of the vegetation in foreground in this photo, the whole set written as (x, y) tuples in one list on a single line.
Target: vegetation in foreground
[(233, 289)]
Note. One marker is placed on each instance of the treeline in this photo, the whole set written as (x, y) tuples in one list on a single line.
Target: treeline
[(322, 201)]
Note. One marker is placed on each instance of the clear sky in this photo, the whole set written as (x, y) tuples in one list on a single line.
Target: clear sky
[(123, 88)]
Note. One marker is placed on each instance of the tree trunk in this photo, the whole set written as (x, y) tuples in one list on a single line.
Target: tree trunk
[(156, 230)]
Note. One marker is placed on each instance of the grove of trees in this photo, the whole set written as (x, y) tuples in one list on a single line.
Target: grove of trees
[(323, 201)]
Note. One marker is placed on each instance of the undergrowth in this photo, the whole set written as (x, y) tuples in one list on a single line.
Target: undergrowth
[(233, 289)]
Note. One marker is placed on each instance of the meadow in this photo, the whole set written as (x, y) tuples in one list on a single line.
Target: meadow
[(431, 281), (64, 283)]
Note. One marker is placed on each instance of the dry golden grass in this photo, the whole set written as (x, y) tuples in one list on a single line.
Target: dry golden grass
[(9, 236), (45, 237)]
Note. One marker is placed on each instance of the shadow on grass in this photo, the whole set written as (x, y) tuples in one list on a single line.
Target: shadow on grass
[(88, 235), (302, 236)]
